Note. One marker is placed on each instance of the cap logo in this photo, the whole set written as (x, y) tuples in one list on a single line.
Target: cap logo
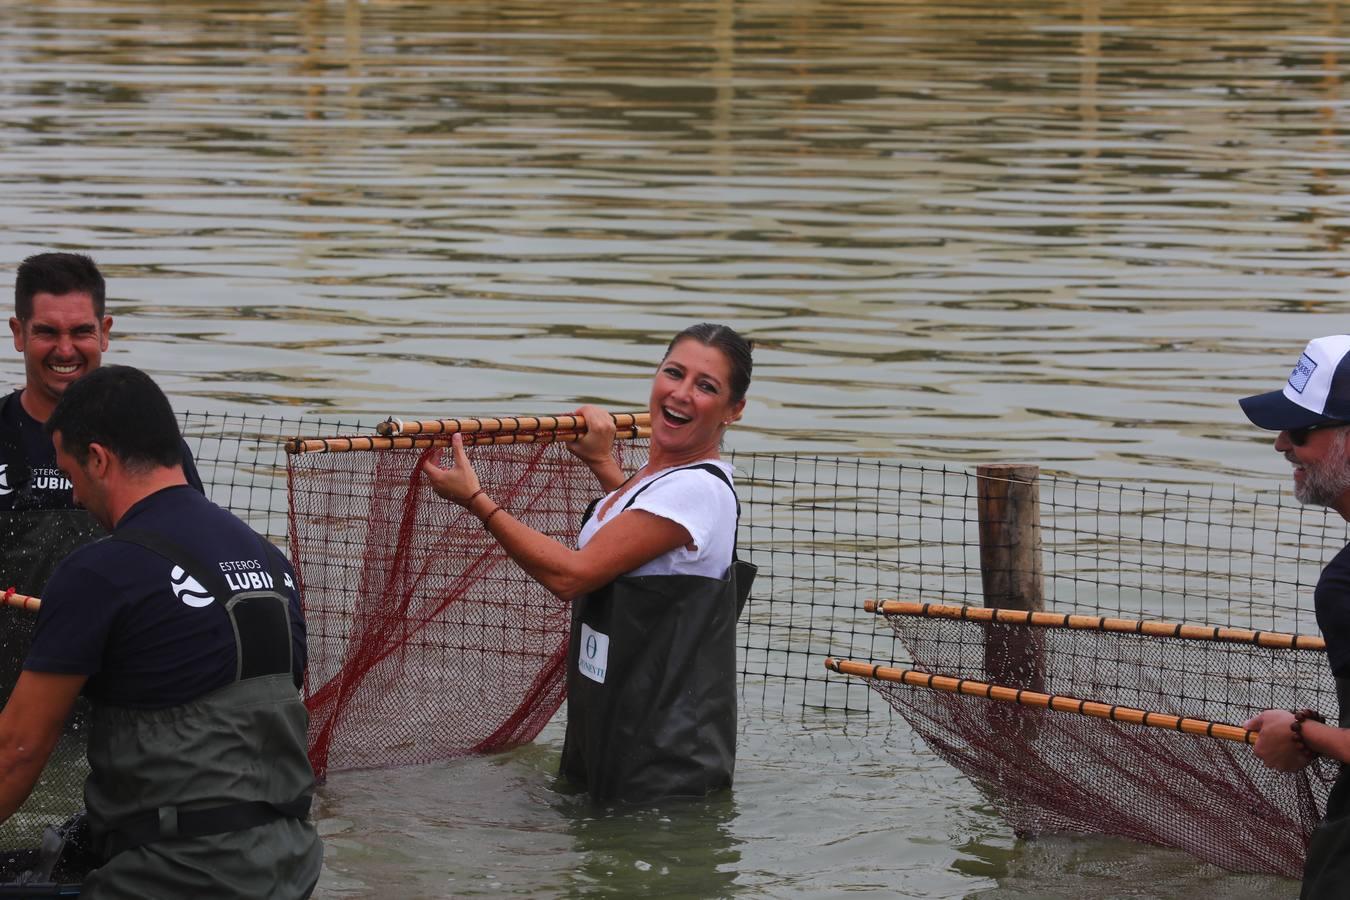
[(1303, 372)]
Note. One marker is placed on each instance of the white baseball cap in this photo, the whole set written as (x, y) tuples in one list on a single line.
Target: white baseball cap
[(1318, 390)]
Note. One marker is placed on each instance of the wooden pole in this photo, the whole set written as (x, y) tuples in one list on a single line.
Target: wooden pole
[(1059, 703), (422, 441), (1009, 508), (1010, 535), (11, 597), (472, 425), (1274, 640)]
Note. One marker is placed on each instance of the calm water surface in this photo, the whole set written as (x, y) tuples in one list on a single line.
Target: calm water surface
[(1066, 232)]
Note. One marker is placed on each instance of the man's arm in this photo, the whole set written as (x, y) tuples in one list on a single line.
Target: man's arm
[(1276, 747), (30, 724)]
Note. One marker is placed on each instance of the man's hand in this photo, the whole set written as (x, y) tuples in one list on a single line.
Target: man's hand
[(1275, 744), (30, 725)]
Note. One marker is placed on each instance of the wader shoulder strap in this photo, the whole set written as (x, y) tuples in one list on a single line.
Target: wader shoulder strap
[(745, 572), (1343, 699), (707, 467), (17, 471), (261, 618)]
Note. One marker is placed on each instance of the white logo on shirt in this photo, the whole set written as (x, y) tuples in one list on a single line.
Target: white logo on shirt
[(287, 578), (4, 481), (47, 479), (188, 589)]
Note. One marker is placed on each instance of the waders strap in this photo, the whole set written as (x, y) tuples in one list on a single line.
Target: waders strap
[(260, 618), (169, 822), (744, 572), (18, 474)]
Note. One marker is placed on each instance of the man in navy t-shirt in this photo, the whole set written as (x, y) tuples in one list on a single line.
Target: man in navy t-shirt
[(61, 328), (177, 653), (1312, 415), (184, 629)]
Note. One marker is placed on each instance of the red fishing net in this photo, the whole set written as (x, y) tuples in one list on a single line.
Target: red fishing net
[(426, 641), (1050, 771)]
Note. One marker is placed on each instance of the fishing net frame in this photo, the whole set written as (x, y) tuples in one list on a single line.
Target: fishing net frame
[(426, 641), (1015, 700), (829, 533)]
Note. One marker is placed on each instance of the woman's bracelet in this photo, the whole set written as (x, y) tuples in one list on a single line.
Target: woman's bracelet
[(468, 501), (488, 517), (1296, 726)]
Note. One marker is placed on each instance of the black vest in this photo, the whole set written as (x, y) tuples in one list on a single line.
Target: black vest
[(228, 761), (651, 685)]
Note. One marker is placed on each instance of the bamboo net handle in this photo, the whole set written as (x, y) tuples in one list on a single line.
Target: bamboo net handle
[(12, 597), (422, 441), (1271, 639), (1129, 715), (469, 425)]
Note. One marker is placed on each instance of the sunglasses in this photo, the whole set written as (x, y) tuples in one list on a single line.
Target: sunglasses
[(1299, 436)]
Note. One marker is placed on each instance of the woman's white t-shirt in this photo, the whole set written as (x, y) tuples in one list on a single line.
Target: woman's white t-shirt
[(693, 498)]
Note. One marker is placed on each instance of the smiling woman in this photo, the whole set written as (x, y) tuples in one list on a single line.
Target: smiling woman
[(651, 666)]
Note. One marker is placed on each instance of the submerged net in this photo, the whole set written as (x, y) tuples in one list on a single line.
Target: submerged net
[(34, 541), (1051, 771), (425, 640)]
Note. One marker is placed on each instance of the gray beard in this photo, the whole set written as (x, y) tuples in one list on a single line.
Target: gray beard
[(1325, 482)]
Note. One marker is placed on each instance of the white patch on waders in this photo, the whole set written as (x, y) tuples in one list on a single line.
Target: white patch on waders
[(4, 481), (594, 655)]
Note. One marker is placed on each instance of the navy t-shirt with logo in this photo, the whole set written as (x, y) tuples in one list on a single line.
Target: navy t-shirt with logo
[(148, 634), (1332, 601), (49, 488)]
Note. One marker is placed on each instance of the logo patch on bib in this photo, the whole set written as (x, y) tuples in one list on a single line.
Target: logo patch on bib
[(594, 656)]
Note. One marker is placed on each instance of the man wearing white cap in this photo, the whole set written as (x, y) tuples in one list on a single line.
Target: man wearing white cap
[(1312, 415)]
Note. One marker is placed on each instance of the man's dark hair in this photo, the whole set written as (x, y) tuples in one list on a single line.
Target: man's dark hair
[(124, 410), (56, 273), (734, 347)]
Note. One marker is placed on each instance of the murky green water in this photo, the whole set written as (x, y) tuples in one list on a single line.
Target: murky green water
[(1067, 232)]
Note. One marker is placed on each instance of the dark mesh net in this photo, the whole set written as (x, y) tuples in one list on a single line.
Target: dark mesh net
[(827, 533), (34, 541), (1053, 771), (425, 640)]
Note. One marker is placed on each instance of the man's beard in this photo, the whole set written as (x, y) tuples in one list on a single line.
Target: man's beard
[(1326, 480)]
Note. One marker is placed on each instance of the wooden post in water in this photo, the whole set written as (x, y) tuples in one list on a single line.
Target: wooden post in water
[(1010, 567), (1010, 535)]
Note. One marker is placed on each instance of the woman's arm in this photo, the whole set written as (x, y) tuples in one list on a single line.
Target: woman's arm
[(630, 540)]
